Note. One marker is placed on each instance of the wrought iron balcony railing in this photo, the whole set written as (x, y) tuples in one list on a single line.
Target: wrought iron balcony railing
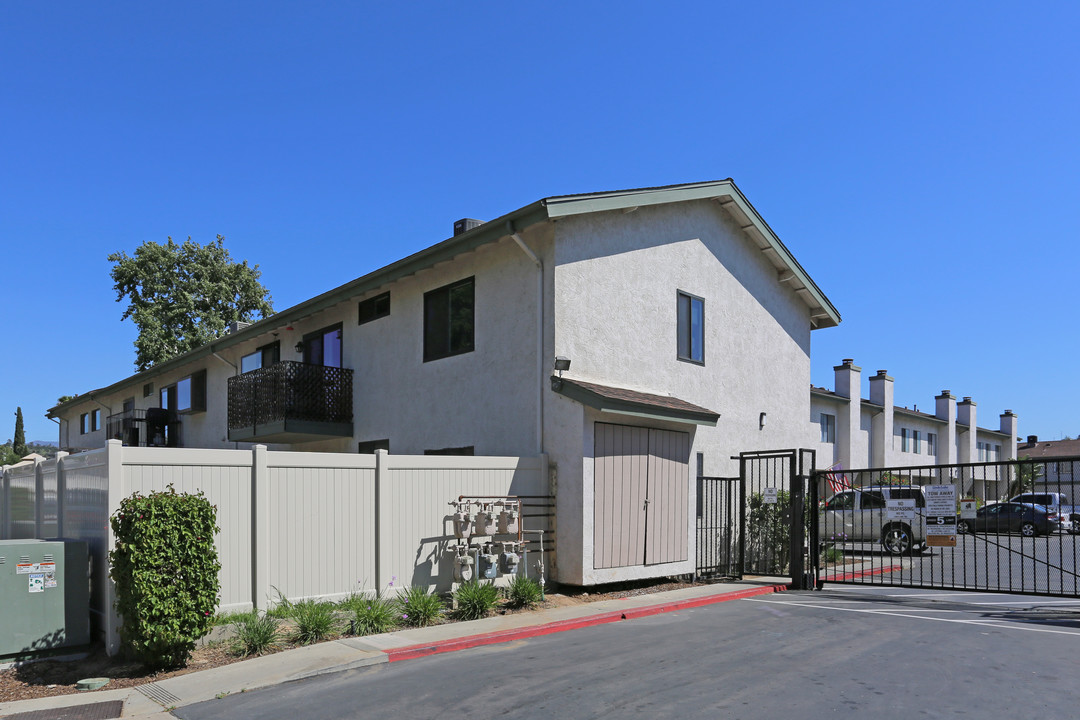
[(290, 402)]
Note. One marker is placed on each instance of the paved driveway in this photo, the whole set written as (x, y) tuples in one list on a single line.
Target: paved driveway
[(852, 652)]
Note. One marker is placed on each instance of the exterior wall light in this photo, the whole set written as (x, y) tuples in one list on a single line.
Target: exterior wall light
[(299, 346), (562, 363), (761, 421)]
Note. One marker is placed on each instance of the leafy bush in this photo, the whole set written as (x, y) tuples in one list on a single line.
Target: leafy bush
[(475, 600), (419, 608), (524, 592), (256, 635), (768, 547), (315, 621), (165, 568), (372, 615)]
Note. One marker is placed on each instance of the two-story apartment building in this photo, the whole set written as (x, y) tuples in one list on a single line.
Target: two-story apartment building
[(853, 432), (684, 319)]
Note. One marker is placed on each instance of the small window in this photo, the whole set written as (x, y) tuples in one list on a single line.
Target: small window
[(916, 438), (931, 443), (187, 395), (997, 452), (374, 308), (691, 328), (464, 451), (369, 447), (84, 423), (905, 440), (982, 450), (148, 389), (264, 356), (449, 317), (828, 427), (95, 420)]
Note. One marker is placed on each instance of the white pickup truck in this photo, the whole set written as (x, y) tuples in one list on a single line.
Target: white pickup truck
[(1057, 503)]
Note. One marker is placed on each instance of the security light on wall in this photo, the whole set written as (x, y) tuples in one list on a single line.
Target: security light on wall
[(761, 421), (562, 363), (299, 346)]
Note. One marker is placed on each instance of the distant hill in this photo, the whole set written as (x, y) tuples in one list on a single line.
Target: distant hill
[(46, 443)]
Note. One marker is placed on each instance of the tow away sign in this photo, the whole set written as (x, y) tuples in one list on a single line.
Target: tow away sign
[(940, 515)]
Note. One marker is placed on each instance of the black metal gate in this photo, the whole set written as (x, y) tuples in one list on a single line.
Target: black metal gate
[(719, 513), (1005, 527), (756, 523)]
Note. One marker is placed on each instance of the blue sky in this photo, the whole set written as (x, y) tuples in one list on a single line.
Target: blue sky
[(920, 160)]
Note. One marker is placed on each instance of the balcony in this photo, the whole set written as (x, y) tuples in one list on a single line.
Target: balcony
[(290, 402), (154, 427)]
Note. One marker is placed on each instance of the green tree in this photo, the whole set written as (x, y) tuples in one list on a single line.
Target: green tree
[(65, 398), (18, 445), (181, 296)]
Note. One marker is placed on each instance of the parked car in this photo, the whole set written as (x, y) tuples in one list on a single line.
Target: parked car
[(859, 515), (1057, 503), (1011, 517)]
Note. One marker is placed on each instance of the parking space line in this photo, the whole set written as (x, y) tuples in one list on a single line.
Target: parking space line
[(1000, 625), (1031, 602)]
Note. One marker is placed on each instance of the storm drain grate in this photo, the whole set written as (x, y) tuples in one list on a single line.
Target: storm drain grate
[(159, 694), (94, 711)]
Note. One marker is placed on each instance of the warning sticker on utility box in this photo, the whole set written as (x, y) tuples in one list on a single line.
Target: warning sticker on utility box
[(35, 568)]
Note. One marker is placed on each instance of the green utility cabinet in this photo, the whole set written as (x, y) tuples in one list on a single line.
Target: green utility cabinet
[(44, 595)]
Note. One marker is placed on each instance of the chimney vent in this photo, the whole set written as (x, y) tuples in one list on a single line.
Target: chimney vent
[(236, 326), (465, 225), (1032, 439)]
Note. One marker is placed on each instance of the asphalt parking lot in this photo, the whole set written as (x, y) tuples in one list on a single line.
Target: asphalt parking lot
[(849, 652)]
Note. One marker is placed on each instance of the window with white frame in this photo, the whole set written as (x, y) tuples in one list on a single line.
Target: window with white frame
[(931, 443), (828, 427), (916, 438), (905, 440), (981, 447)]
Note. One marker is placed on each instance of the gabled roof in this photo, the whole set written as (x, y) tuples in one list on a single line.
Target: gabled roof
[(724, 192), (1049, 449)]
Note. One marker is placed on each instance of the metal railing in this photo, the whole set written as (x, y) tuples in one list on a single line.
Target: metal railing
[(290, 390)]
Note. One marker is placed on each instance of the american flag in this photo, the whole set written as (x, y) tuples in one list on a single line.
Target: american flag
[(838, 482)]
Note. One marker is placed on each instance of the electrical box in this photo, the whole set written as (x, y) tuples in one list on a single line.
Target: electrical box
[(44, 595)]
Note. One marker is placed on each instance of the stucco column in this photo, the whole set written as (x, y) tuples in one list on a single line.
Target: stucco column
[(1011, 427), (881, 393), (965, 437), (946, 445), (848, 381)]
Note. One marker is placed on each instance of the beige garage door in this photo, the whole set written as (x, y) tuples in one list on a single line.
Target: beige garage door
[(641, 482)]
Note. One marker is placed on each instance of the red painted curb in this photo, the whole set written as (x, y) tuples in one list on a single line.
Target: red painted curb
[(415, 651), (862, 573)]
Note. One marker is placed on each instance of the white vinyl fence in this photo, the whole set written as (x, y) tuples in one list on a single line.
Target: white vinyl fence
[(302, 525)]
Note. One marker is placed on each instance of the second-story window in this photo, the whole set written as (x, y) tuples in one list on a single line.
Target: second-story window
[(917, 438), (449, 320), (374, 308), (828, 427), (324, 347), (931, 443), (905, 440), (691, 328), (264, 356)]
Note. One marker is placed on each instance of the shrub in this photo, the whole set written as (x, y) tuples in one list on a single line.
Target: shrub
[(315, 621), (524, 592), (475, 600), (165, 568), (373, 615), (256, 635), (418, 607)]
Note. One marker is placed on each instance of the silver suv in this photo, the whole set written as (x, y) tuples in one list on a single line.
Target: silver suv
[(859, 515)]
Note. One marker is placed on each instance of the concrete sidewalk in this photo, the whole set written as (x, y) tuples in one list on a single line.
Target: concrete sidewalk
[(155, 700)]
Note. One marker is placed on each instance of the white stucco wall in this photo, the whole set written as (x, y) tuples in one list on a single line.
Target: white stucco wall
[(486, 398), (616, 279)]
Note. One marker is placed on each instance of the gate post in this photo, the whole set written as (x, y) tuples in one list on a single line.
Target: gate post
[(798, 523), (742, 517)]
